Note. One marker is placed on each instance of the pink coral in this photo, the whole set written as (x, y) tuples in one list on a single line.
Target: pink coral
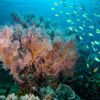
[(62, 57), (29, 49)]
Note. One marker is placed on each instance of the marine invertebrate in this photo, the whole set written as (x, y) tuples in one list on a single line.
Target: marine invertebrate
[(61, 57), (29, 50), (33, 55), (19, 19)]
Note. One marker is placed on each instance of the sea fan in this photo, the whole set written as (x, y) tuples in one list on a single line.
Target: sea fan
[(6, 46), (27, 49), (62, 58)]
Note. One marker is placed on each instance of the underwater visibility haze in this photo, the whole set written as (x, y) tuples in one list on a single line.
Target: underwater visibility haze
[(49, 49)]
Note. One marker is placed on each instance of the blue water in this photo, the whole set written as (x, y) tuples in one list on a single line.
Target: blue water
[(43, 8)]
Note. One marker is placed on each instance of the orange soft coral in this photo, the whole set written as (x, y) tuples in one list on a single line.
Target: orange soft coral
[(36, 46), (29, 49), (62, 57), (8, 50)]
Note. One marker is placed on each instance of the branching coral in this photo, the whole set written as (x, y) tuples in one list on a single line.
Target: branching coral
[(29, 49), (34, 52), (8, 49), (62, 57)]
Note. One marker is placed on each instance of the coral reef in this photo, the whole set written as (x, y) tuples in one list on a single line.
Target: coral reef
[(29, 51), (63, 92), (33, 55), (42, 57)]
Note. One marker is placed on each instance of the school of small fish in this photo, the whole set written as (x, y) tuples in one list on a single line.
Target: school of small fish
[(79, 19)]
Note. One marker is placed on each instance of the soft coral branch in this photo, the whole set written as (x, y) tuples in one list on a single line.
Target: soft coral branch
[(29, 49)]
